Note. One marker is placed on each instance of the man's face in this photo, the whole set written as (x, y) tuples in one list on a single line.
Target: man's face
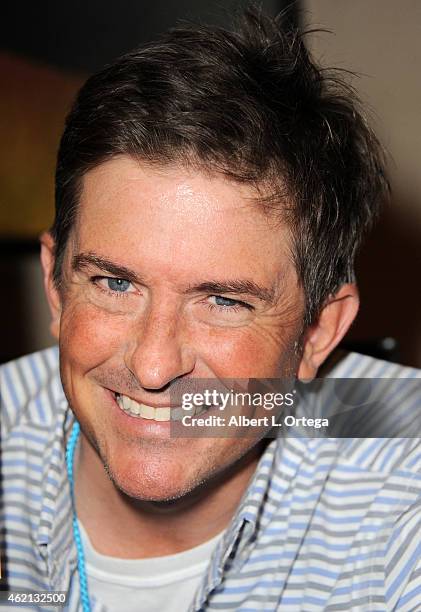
[(170, 275)]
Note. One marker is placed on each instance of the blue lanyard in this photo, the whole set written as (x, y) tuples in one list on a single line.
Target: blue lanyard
[(83, 581)]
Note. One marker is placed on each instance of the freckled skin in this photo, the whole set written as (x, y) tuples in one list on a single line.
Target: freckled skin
[(174, 228)]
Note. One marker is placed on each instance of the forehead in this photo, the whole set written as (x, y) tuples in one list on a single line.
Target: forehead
[(172, 214)]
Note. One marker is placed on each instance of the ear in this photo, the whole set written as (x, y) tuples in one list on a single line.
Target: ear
[(51, 291), (332, 324)]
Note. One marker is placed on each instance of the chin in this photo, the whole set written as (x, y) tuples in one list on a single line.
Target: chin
[(151, 481)]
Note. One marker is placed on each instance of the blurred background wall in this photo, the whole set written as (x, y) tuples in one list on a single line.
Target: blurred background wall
[(381, 41), (48, 49)]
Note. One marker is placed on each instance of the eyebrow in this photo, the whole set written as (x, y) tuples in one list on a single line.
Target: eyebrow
[(237, 286), (86, 260)]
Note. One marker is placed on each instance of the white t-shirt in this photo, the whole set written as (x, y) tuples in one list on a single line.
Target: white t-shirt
[(157, 584)]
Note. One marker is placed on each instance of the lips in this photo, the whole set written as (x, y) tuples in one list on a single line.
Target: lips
[(160, 414)]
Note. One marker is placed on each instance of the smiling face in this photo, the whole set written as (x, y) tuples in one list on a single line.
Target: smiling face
[(169, 274)]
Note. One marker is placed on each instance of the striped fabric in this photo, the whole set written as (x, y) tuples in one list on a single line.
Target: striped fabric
[(325, 525)]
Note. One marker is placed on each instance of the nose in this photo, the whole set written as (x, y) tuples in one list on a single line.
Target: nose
[(159, 350)]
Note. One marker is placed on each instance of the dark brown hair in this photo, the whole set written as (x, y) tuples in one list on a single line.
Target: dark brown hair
[(253, 105)]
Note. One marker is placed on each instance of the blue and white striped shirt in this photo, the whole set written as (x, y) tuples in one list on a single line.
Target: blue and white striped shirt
[(326, 523)]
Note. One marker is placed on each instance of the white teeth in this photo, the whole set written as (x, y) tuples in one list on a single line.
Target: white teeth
[(147, 412), (156, 414), (135, 407), (162, 414)]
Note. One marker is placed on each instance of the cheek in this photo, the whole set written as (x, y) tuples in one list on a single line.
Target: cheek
[(88, 335), (251, 352)]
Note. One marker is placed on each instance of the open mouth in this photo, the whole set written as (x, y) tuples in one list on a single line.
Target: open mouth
[(138, 410)]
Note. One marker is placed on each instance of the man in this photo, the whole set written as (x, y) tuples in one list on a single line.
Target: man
[(211, 191)]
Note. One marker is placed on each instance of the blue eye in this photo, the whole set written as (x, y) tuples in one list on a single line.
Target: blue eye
[(227, 309), (118, 284), (224, 301), (114, 287)]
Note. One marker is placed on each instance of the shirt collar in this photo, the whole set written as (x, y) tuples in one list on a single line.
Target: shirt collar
[(243, 525), (245, 522), (55, 534)]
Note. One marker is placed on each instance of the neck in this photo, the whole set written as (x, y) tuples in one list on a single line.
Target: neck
[(111, 518)]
